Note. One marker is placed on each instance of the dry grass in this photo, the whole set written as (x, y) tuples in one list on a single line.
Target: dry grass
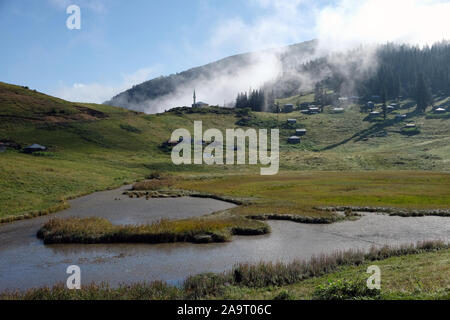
[(100, 230), (153, 184), (302, 192), (37, 213)]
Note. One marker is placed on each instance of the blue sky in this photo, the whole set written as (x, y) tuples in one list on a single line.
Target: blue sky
[(119, 42), (122, 43)]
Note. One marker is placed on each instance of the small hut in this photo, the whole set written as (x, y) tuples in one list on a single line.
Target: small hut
[(337, 110), (200, 104), (288, 108), (313, 110), (292, 121), (440, 110), (34, 148), (300, 132), (304, 105), (294, 140), (400, 116), (410, 125)]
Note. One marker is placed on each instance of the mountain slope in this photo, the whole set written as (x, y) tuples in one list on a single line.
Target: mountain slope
[(232, 74)]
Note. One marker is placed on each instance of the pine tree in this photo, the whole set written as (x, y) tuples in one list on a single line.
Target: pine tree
[(384, 107), (318, 94), (423, 96)]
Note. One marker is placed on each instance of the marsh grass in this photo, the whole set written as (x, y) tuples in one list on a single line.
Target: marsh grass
[(350, 210), (100, 230), (152, 184), (251, 277), (307, 193), (157, 290), (36, 213)]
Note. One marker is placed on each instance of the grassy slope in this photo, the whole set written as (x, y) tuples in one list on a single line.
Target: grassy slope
[(416, 276), (89, 152)]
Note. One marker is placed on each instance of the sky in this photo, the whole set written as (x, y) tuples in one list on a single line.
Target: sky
[(123, 43)]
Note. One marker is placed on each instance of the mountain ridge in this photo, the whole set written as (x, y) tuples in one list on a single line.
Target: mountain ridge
[(163, 86)]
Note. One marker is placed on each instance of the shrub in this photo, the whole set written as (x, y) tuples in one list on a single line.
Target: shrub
[(156, 175), (410, 131), (345, 290), (130, 128), (207, 284), (243, 112), (284, 295)]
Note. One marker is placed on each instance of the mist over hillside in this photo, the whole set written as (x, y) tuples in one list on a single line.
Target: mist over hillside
[(389, 70), (218, 82)]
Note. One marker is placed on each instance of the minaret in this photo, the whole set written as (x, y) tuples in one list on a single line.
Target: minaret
[(194, 99)]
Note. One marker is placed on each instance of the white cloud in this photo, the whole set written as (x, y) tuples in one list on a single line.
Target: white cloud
[(225, 86), (340, 25), (352, 22), (99, 93), (281, 22)]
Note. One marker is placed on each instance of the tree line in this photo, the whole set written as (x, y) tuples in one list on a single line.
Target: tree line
[(394, 72), (402, 71), (256, 100)]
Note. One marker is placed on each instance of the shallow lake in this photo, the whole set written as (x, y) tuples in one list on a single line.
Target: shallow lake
[(25, 262)]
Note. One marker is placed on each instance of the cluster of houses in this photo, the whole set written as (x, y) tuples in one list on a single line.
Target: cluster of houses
[(295, 139), (390, 108), (309, 109), (304, 108)]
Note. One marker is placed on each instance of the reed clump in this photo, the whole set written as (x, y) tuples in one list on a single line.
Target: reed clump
[(268, 274), (100, 230)]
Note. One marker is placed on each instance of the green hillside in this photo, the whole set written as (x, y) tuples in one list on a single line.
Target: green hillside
[(93, 147)]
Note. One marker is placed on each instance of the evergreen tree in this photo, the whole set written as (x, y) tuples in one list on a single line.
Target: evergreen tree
[(318, 94), (423, 96)]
